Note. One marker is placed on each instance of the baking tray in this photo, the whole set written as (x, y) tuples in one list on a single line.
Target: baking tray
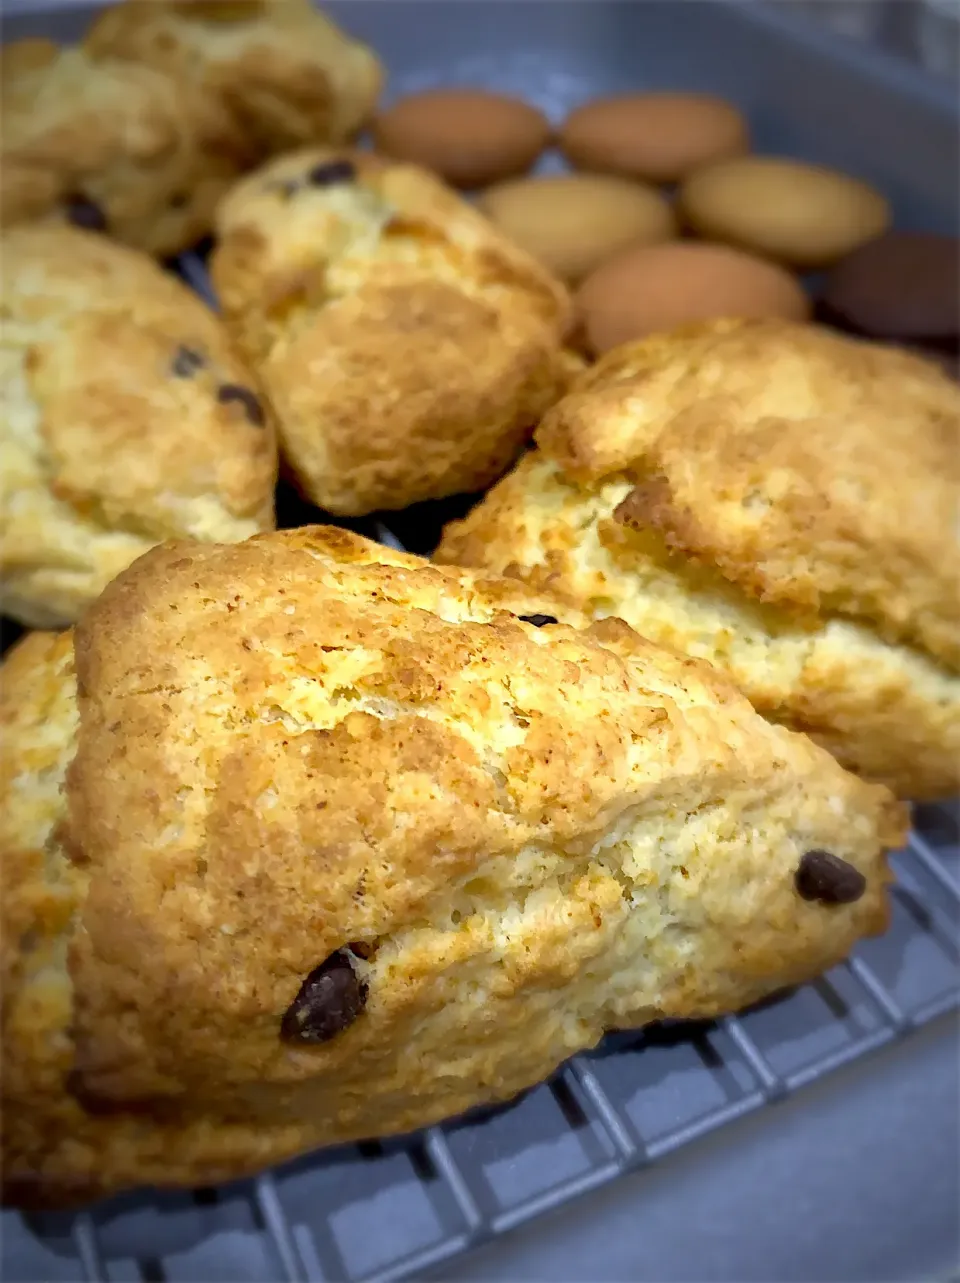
[(401, 1208)]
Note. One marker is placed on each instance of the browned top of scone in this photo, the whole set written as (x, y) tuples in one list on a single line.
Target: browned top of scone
[(810, 469), (274, 75), (309, 739), (127, 387)]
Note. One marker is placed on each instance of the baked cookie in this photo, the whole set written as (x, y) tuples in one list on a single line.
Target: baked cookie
[(393, 843), (273, 75), (407, 347), (773, 498), (126, 420), (108, 146)]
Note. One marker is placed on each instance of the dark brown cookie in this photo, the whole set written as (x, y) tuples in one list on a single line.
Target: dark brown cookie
[(903, 286)]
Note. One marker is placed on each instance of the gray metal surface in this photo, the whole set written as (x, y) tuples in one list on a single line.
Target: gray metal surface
[(407, 1208)]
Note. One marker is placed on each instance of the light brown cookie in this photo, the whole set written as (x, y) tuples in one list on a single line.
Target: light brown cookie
[(660, 137), (127, 420), (108, 146), (407, 347), (804, 215), (377, 848), (658, 287), (775, 499), (574, 222), (470, 137), (273, 74)]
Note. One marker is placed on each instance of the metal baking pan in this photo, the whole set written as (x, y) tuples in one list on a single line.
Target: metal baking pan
[(840, 1061)]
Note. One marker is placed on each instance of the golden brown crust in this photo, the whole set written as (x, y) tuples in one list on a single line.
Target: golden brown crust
[(272, 75), (694, 444), (129, 142), (812, 470), (408, 349), (115, 434), (531, 833)]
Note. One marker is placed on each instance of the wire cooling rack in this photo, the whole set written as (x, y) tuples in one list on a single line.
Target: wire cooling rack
[(396, 1209)]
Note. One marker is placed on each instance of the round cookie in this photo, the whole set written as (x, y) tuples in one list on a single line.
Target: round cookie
[(126, 421), (470, 137), (903, 286), (661, 137), (573, 222), (804, 215), (659, 287)]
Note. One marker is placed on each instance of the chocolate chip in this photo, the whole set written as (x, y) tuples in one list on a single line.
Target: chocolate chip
[(538, 621), (229, 392), (825, 877), (330, 1000), (83, 212), (331, 172), (186, 362), (179, 200)]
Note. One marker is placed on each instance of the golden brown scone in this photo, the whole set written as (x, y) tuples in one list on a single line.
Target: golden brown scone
[(775, 499), (126, 419), (375, 850), (407, 347), (109, 146), (273, 75)]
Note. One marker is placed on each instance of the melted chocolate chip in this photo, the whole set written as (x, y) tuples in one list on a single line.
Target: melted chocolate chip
[(332, 172), (330, 1000), (186, 362), (229, 392), (538, 621), (179, 200), (825, 877), (83, 212)]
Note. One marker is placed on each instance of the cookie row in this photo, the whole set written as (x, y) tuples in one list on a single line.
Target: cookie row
[(141, 128), (609, 228)]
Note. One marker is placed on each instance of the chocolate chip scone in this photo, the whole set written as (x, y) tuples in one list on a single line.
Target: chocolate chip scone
[(109, 146), (381, 841), (775, 499), (127, 419), (407, 348), (273, 75)]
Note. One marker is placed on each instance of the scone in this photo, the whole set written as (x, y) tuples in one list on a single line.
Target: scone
[(408, 349), (773, 498), (273, 75), (109, 146), (125, 419), (381, 841)]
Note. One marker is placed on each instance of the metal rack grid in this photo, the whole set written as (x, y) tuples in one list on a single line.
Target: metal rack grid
[(628, 1103)]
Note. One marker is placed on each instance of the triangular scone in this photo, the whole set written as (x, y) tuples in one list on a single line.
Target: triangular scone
[(773, 498), (349, 843)]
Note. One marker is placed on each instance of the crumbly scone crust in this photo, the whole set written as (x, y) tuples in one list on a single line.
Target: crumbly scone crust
[(273, 75), (125, 137), (408, 349), (106, 449), (527, 834), (775, 499)]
